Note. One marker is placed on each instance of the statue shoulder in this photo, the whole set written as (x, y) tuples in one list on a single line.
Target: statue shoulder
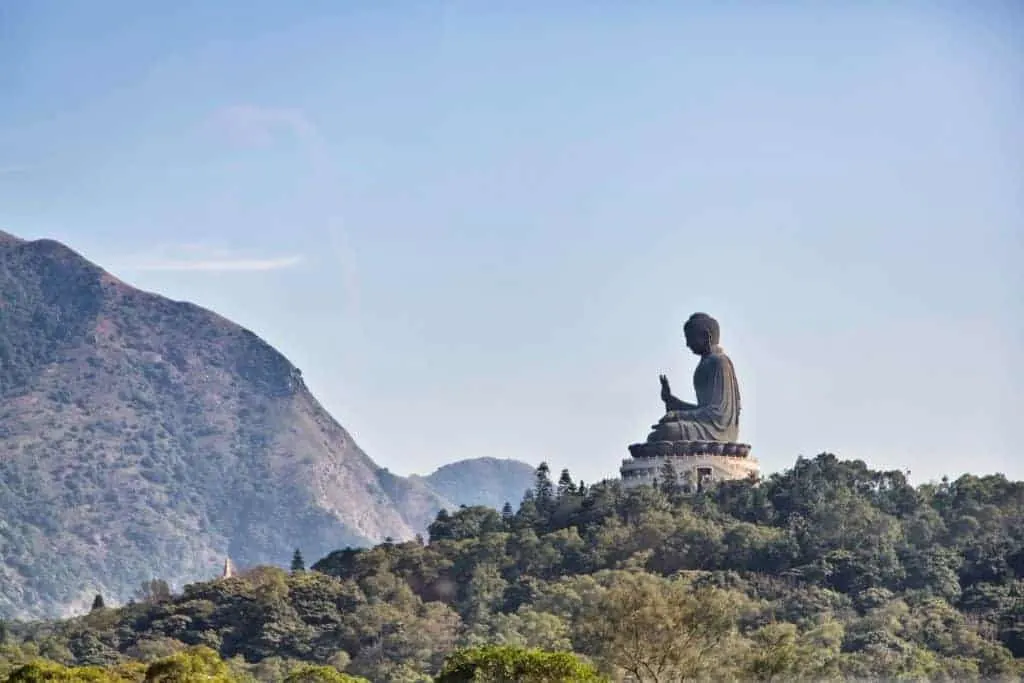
[(717, 356), (719, 359)]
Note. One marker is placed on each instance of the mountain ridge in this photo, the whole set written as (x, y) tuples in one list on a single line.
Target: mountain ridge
[(143, 437), (485, 481)]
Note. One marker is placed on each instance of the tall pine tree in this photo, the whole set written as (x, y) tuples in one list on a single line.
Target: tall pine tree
[(566, 486), (544, 492), (527, 517), (668, 480), (298, 564)]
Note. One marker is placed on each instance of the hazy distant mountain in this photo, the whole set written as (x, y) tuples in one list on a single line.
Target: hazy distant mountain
[(483, 481), (142, 437)]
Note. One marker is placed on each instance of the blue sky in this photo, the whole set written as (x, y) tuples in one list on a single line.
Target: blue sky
[(478, 227)]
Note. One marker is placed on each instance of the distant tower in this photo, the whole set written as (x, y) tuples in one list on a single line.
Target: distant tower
[(229, 569)]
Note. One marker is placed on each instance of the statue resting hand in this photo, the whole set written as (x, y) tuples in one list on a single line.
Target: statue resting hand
[(675, 416)]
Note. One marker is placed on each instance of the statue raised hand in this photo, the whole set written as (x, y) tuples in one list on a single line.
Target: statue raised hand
[(671, 402), (666, 390)]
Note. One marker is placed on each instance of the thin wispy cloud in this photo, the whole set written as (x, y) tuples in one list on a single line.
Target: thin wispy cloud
[(11, 169), (201, 258), (253, 125), (223, 266)]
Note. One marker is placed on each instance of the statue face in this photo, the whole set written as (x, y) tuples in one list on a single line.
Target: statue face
[(697, 342)]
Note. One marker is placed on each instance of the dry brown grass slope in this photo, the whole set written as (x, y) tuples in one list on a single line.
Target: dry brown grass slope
[(142, 437)]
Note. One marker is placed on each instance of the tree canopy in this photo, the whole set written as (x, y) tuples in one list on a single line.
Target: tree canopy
[(828, 570)]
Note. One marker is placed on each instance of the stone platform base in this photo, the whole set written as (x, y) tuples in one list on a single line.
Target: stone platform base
[(727, 448), (694, 463)]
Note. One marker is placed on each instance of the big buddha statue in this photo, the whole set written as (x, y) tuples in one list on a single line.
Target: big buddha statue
[(696, 441), (716, 415)]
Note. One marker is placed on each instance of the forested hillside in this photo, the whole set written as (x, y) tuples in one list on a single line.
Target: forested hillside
[(142, 436), (826, 571)]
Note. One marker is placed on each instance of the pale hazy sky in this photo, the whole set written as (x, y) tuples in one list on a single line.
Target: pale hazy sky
[(478, 227)]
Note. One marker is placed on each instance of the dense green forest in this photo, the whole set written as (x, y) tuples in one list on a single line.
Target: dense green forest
[(828, 570)]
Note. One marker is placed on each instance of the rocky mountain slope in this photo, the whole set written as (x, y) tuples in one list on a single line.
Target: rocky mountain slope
[(482, 481), (142, 437)]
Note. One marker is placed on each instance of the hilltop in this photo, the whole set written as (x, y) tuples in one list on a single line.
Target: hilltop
[(482, 481)]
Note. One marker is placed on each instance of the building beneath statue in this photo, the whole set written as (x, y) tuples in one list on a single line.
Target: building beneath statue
[(698, 441), (694, 464)]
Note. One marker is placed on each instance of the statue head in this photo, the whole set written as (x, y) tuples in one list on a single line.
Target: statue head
[(702, 333)]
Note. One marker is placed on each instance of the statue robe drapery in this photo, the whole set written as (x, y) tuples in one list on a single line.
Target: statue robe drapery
[(717, 415)]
